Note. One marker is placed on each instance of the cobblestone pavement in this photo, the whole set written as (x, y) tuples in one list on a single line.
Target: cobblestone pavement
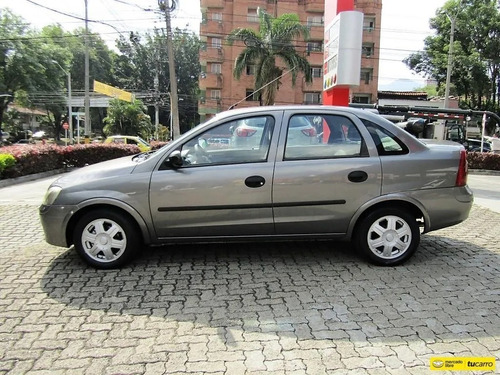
[(279, 308)]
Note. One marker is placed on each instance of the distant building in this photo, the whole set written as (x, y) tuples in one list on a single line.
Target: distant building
[(220, 90)]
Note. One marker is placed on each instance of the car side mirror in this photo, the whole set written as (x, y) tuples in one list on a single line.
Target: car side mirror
[(175, 159)]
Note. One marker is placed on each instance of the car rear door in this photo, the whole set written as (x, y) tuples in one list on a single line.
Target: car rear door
[(222, 190), (319, 186)]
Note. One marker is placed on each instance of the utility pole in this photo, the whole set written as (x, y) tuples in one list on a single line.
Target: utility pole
[(450, 62), (70, 109), (174, 100), (157, 101), (87, 89)]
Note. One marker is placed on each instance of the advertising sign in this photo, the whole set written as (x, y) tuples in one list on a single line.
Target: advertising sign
[(112, 91), (343, 41)]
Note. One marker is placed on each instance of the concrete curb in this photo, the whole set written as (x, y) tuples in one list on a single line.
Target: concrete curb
[(485, 172), (31, 177)]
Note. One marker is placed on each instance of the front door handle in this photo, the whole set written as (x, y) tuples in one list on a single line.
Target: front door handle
[(358, 176), (255, 181)]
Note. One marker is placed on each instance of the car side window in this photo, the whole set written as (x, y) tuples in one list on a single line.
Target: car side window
[(386, 142), (245, 140), (323, 136)]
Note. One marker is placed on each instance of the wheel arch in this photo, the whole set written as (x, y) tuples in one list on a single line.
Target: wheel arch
[(116, 206), (409, 205)]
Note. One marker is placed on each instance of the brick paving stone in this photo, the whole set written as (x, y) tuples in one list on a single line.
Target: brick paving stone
[(277, 308)]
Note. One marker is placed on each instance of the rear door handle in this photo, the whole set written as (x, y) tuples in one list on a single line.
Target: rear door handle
[(358, 176), (255, 181)]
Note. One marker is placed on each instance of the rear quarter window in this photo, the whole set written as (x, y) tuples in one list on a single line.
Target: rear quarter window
[(387, 143)]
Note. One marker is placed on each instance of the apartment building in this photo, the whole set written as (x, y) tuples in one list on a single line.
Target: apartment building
[(220, 90)]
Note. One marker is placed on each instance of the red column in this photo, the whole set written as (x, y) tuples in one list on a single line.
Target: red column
[(336, 95)]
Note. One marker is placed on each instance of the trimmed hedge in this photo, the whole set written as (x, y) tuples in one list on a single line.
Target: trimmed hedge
[(43, 158), (6, 161), (487, 160)]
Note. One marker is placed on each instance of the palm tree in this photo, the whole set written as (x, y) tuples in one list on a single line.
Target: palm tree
[(273, 41)]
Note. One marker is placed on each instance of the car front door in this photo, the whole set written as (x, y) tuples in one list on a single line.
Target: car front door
[(223, 187), (318, 186)]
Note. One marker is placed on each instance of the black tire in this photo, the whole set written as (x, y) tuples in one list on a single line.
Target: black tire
[(388, 236), (106, 239)]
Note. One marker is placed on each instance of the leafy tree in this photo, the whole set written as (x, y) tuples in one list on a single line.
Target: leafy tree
[(273, 40), (476, 51), (126, 118), (21, 59), (143, 57)]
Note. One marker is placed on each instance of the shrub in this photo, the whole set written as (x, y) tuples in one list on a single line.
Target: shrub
[(487, 160), (43, 158), (6, 161)]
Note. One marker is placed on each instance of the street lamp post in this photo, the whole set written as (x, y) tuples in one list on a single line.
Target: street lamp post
[(70, 109)]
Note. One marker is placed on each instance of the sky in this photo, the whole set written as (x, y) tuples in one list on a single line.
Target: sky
[(405, 24)]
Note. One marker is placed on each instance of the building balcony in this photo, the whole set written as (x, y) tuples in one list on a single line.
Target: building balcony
[(212, 80), (212, 54), (213, 3), (313, 6), (212, 27)]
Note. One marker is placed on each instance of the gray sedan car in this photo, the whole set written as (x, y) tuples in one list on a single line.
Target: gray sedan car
[(363, 179)]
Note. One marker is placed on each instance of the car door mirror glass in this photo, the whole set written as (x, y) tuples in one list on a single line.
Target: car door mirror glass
[(175, 159)]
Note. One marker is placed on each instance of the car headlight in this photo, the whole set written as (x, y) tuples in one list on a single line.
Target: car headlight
[(51, 195)]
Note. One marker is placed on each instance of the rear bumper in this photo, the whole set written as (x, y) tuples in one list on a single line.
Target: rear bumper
[(445, 207)]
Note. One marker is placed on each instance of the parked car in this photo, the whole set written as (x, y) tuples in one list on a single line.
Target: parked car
[(248, 132), (129, 140), (474, 145), (363, 180)]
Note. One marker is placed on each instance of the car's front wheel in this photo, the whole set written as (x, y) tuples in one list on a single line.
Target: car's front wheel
[(388, 237), (105, 239)]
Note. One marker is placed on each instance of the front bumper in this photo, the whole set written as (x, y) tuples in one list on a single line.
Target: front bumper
[(55, 221)]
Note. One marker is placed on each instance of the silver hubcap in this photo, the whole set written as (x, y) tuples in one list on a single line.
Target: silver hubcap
[(104, 240), (389, 237)]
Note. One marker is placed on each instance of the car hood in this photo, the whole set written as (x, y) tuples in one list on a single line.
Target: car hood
[(105, 170)]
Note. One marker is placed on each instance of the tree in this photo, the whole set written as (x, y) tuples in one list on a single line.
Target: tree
[(127, 119), (476, 52), (143, 57), (21, 59), (273, 41)]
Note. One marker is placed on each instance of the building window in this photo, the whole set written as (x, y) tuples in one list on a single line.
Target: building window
[(216, 68), (316, 72), (312, 98), (316, 46), (369, 23), (252, 15), (251, 69), (367, 49), (315, 21), (252, 98), (215, 94), (217, 17), (216, 43), (366, 75), (362, 98)]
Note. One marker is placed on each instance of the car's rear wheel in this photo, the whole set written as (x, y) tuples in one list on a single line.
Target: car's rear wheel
[(388, 237), (105, 239)]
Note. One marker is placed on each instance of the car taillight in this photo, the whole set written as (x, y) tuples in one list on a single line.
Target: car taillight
[(462, 170), (243, 132), (310, 132)]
